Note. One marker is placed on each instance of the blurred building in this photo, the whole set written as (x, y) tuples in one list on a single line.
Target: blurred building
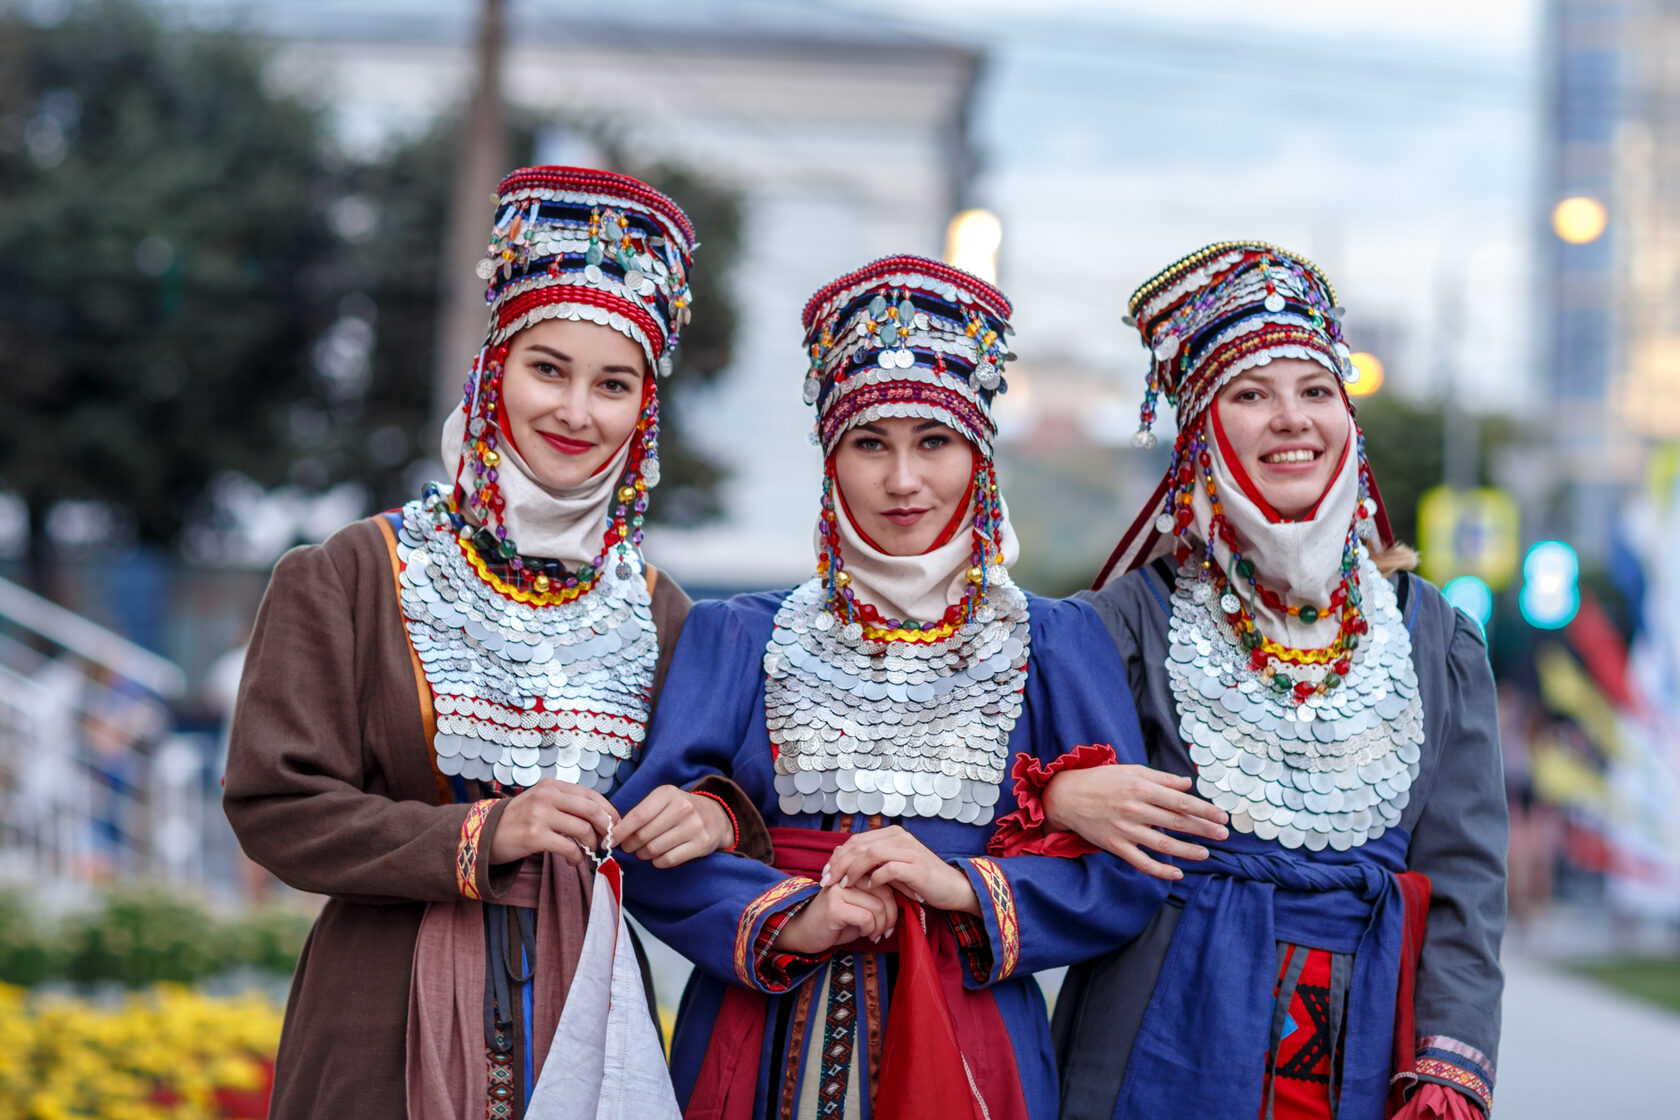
[(1066, 462), (845, 135), (1612, 247)]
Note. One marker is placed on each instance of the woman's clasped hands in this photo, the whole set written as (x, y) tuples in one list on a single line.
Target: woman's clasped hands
[(857, 900)]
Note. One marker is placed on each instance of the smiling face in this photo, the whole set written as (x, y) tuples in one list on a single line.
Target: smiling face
[(1288, 424), (573, 392), (903, 481)]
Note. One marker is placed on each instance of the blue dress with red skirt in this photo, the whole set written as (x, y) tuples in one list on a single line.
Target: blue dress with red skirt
[(763, 1033)]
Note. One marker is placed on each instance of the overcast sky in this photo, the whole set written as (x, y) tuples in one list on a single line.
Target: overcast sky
[(1395, 144)]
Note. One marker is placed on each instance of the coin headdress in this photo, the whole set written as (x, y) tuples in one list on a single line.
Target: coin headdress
[(584, 245), (907, 336), (1204, 319)]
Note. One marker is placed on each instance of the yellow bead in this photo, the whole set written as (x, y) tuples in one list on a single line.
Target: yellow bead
[(976, 574), (626, 494), (540, 583), (842, 579), (492, 459)]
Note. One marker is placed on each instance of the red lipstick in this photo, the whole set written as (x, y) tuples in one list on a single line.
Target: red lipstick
[(566, 446)]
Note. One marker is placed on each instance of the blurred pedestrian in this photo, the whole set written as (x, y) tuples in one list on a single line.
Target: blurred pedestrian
[(1344, 941), (437, 700)]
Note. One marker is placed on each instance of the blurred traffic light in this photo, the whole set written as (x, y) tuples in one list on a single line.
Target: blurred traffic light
[(1550, 592), (1472, 595)]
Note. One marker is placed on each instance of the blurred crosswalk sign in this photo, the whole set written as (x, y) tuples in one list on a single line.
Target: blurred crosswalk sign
[(1468, 532)]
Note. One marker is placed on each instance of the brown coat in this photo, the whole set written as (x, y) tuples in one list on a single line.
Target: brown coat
[(330, 786)]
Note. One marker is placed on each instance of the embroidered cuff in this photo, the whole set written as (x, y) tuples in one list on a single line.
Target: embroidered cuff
[(777, 967), (972, 943), (755, 934), (997, 910), (1024, 832), (1448, 1061), (466, 849)]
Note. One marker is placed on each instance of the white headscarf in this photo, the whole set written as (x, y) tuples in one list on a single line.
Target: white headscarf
[(561, 524), (913, 587), (1300, 560)]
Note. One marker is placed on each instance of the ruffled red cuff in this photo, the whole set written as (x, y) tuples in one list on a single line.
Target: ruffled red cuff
[(1437, 1102), (1023, 832)]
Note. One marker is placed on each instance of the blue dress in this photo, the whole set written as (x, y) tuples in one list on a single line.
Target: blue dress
[(1038, 912)]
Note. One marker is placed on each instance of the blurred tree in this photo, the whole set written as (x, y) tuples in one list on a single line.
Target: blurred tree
[(161, 265), (1403, 444), (1403, 441), (388, 270), (193, 282)]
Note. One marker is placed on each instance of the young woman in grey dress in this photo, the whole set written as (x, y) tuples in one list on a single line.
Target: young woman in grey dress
[(1338, 954)]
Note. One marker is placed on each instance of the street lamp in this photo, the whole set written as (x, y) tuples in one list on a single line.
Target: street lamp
[(1579, 220), (972, 241), (1370, 377)]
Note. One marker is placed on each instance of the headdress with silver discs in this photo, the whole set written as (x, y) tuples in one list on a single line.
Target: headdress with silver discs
[(538, 669), (902, 716), (1313, 747)]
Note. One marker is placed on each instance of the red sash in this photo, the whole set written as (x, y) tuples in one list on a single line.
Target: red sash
[(944, 1043), (1415, 890)]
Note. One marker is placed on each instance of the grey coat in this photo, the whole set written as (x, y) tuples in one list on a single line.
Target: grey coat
[(1457, 819)]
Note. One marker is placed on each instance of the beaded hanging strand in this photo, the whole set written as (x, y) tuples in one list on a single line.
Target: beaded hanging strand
[(537, 580), (1272, 659), (986, 534)]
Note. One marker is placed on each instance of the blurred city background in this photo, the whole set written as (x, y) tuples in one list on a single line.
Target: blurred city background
[(236, 293)]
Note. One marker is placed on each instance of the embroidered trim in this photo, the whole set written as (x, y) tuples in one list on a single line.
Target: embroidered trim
[(746, 963), (1451, 1073), (839, 1038), (1450, 1046), (466, 851), (1003, 905)]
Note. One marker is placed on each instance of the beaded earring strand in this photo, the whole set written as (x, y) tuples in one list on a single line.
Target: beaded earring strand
[(986, 534), (540, 581)]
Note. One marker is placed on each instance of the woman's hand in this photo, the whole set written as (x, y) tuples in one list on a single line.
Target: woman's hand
[(892, 857), (671, 826), (1127, 808), (838, 915), (552, 816)]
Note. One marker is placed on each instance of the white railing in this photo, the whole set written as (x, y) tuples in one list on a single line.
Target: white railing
[(94, 788)]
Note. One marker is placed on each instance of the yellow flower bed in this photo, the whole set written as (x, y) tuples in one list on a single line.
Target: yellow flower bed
[(168, 1053)]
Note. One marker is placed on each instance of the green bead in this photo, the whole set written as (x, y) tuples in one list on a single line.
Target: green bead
[(1309, 614), (1351, 642), (1251, 639), (508, 549), (1280, 683), (1245, 568), (586, 573), (1332, 680)]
